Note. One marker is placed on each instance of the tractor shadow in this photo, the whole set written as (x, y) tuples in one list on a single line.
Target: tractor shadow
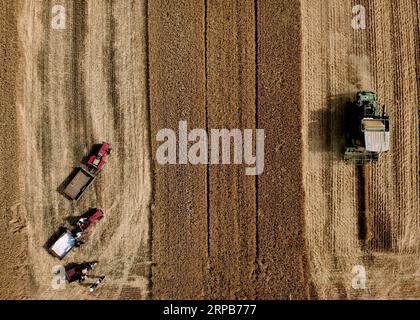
[(74, 264), (71, 265), (332, 125)]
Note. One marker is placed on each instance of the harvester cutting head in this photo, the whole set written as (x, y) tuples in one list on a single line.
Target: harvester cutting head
[(370, 133)]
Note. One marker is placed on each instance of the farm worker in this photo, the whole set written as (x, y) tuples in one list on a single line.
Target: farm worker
[(78, 243), (93, 287)]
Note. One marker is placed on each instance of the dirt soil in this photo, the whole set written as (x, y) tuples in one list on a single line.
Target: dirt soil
[(121, 70)]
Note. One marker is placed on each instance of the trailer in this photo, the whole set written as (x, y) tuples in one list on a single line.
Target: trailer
[(78, 184), (65, 243)]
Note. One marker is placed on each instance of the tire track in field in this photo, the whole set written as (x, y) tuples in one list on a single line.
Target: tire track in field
[(13, 271), (177, 92)]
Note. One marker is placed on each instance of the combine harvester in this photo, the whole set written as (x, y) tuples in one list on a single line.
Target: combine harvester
[(84, 178), (369, 136), (370, 132)]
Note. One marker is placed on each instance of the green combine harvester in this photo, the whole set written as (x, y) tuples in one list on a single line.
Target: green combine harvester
[(369, 134)]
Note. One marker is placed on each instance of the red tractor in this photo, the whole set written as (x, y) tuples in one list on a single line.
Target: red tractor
[(84, 224), (97, 161), (79, 271)]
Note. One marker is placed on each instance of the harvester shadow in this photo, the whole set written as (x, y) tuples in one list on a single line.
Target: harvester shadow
[(66, 181), (54, 238), (378, 236), (363, 216), (332, 126)]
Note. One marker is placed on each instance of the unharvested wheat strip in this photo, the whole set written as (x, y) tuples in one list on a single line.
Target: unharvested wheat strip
[(231, 104), (398, 137), (282, 251), (416, 17), (372, 214), (177, 92), (131, 56), (406, 113)]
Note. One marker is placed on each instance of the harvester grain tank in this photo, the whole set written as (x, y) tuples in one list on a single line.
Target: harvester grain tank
[(78, 184)]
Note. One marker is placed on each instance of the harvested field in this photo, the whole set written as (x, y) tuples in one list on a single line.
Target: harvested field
[(122, 70), (338, 61), (84, 85)]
